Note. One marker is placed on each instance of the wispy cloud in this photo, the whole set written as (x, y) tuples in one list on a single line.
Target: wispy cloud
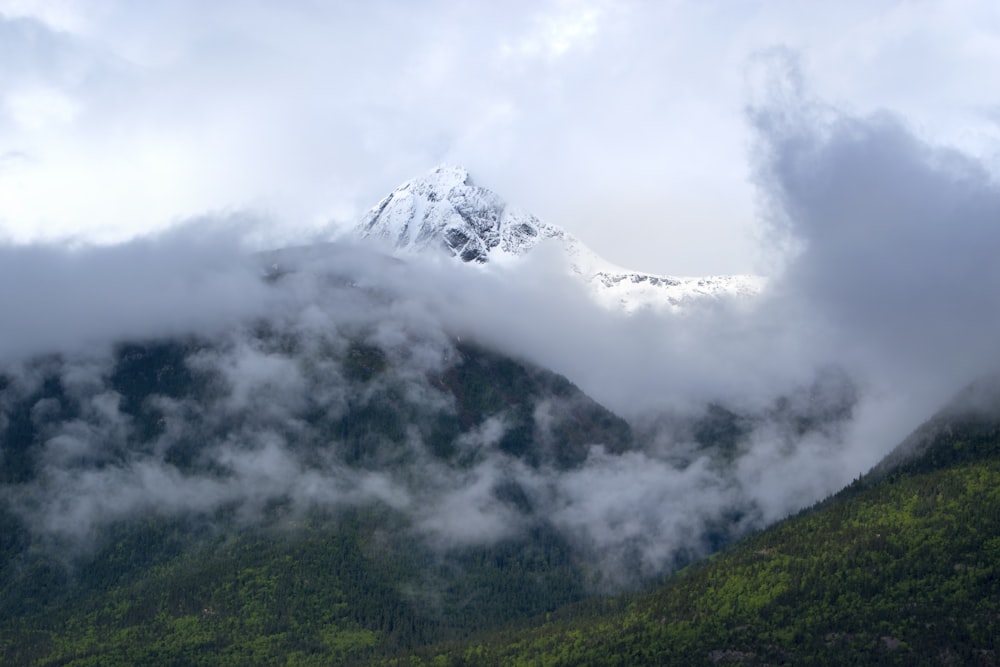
[(620, 121)]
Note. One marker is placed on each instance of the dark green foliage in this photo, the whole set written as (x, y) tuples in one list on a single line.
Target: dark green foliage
[(722, 428), (372, 432), (902, 568), (487, 384), (144, 369), (27, 416), (965, 431), (375, 430), (512, 494), (325, 587), (329, 589), (363, 362), (482, 587), (154, 368), (251, 599), (821, 407), (14, 540)]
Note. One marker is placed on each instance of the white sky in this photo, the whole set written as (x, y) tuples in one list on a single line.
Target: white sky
[(621, 121)]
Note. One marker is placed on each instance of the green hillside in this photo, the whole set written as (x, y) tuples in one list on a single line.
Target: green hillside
[(325, 592), (280, 583), (902, 567)]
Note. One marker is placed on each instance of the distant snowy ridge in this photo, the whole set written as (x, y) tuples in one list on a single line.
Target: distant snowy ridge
[(446, 210)]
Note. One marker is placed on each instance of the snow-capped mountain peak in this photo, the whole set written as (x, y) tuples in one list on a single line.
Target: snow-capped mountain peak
[(445, 210)]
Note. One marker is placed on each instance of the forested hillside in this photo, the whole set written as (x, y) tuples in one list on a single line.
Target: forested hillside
[(902, 567), (314, 570), (353, 483), (346, 479)]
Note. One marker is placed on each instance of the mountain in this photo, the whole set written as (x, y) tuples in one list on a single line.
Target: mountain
[(967, 429), (900, 568), (337, 477), (445, 210), (349, 476), (330, 523), (262, 497)]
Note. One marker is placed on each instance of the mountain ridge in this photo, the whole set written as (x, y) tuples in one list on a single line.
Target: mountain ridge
[(445, 210)]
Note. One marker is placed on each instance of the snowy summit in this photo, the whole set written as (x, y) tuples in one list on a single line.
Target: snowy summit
[(445, 210)]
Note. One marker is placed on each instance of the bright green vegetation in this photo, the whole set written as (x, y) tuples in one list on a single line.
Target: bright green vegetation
[(248, 601), (329, 590), (331, 585), (906, 573), (900, 568)]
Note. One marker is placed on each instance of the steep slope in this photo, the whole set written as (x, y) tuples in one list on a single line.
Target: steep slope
[(966, 430), (265, 574), (903, 567), (445, 210), (302, 487), (338, 477)]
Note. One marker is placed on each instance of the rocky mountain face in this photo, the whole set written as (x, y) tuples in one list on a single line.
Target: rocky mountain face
[(445, 210)]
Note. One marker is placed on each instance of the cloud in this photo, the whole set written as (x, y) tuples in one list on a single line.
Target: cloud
[(57, 298), (887, 303), (619, 121), (893, 238), (570, 25), (745, 411), (636, 514), (267, 414)]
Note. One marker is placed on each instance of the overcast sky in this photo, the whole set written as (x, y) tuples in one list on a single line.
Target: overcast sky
[(855, 145), (623, 122)]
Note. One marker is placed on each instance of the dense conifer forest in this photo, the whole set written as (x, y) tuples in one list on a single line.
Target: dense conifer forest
[(899, 568)]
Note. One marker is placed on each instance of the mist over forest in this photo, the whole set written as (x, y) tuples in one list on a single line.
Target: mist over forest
[(738, 412)]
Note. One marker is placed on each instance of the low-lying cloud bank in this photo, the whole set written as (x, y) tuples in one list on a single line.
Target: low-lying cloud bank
[(58, 299), (886, 305)]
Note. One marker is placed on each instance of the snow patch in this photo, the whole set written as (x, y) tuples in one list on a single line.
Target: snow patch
[(445, 211)]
